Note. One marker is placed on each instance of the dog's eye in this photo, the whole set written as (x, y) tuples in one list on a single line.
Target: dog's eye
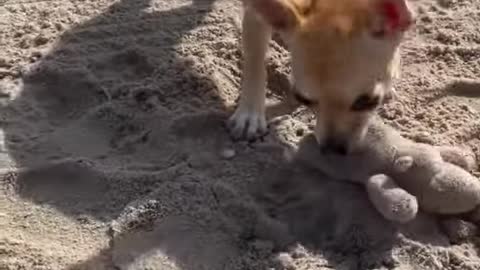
[(365, 103), (303, 100)]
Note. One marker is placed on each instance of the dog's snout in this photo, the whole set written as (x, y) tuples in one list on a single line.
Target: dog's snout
[(335, 146)]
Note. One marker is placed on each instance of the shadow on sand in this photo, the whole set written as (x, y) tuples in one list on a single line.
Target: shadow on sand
[(73, 96)]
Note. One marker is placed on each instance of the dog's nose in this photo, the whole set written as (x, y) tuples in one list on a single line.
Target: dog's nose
[(335, 146)]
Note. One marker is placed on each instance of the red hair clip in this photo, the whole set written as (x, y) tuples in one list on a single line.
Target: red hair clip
[(390, 10), (396, 18)]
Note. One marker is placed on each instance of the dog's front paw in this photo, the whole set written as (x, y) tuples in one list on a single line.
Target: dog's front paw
[(247, 124), (390, 95)]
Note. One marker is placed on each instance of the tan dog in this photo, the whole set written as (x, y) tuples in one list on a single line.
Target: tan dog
[(344, 57)]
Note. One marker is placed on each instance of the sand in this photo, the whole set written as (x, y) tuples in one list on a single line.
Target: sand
[(113, 152)]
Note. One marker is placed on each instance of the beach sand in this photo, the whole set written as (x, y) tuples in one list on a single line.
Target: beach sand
[(114, 155)]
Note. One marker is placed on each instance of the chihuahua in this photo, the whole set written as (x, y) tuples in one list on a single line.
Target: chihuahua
[(344, 55)]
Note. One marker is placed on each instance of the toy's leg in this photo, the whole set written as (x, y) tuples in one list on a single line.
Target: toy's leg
[(458, 157), (393, 202)]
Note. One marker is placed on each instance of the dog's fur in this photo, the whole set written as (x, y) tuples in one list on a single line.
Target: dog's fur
[(344, 58)]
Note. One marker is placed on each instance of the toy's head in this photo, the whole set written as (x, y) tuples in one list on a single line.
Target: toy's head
[(374, 156)]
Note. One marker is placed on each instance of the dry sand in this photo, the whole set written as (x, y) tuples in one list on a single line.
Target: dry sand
[(113, 153)]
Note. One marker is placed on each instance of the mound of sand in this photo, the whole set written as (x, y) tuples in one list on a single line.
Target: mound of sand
[(114, 154)]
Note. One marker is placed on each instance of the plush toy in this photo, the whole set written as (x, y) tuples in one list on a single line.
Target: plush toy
[(400, 175)]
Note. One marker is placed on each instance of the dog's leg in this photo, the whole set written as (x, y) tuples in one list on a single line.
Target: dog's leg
[(249, 120), (392, 73)]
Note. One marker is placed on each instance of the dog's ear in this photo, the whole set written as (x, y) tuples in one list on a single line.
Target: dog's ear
[(391, 17), (282, 15)]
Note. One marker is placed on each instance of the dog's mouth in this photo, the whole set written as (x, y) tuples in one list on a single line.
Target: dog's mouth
[(334, 148)]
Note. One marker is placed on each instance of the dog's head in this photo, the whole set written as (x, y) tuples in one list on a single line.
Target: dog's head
[(340, 50)]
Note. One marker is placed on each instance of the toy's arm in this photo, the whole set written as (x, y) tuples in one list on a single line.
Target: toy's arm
[(393, 202), (457, 157)]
